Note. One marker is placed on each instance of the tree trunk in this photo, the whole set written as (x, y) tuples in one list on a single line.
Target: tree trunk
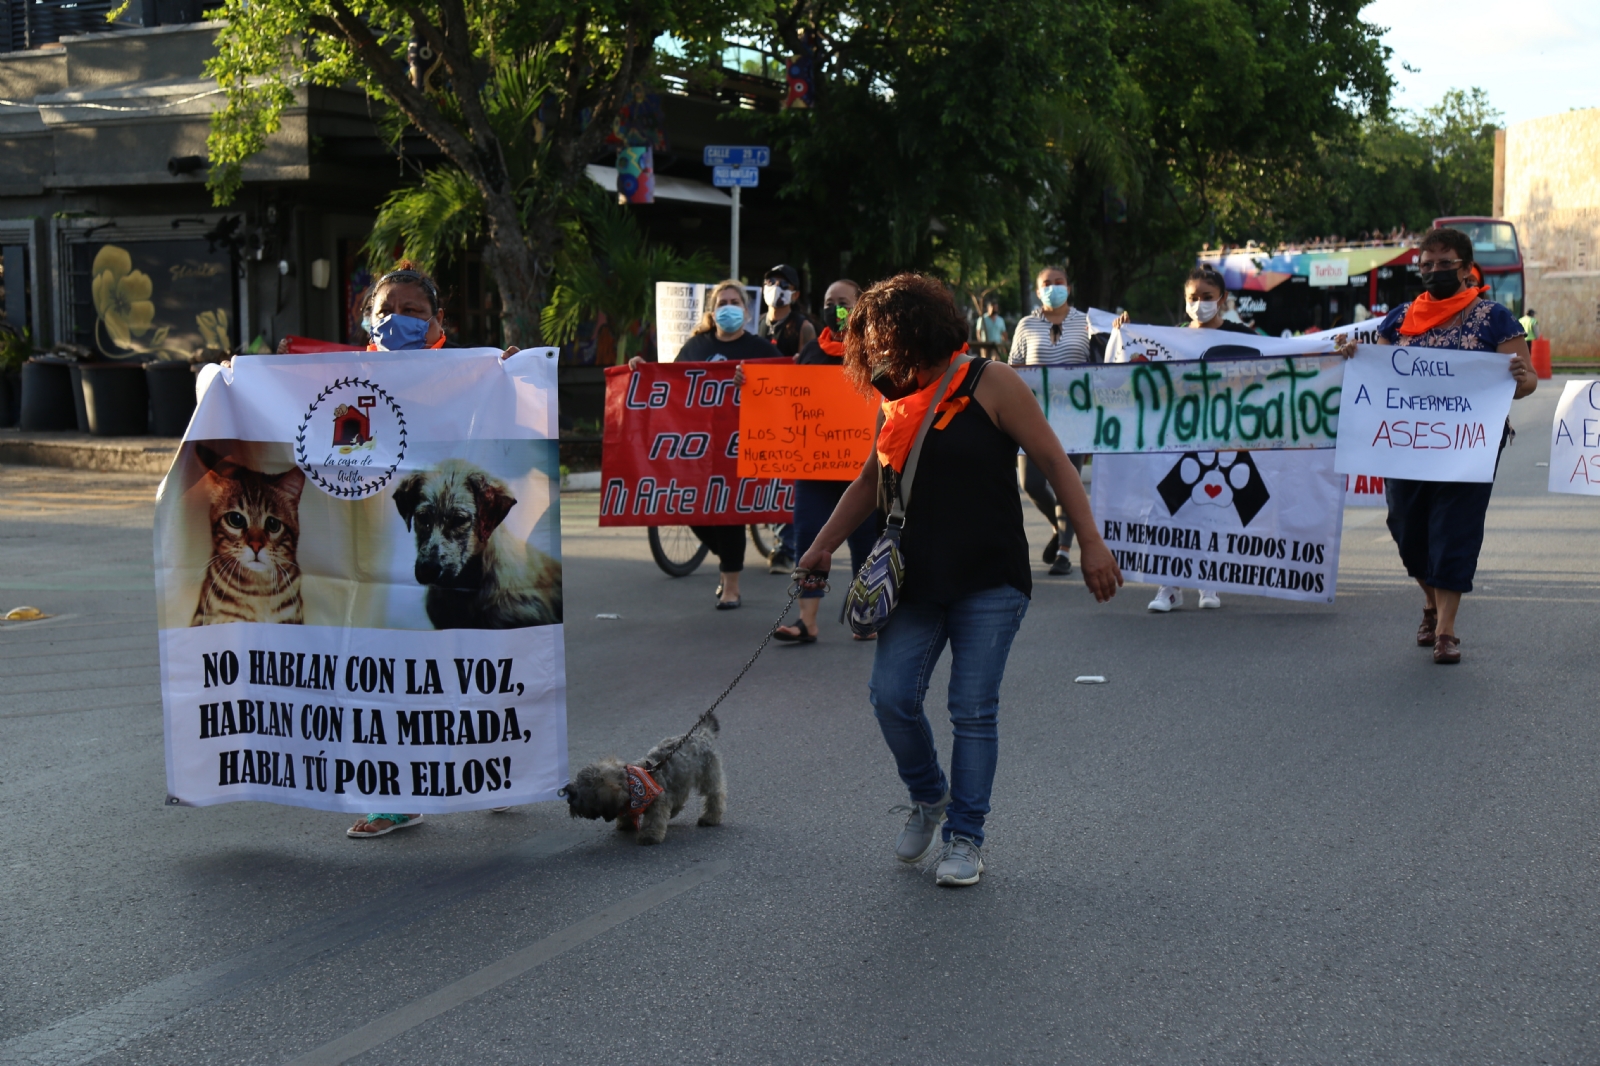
[(514, 258)]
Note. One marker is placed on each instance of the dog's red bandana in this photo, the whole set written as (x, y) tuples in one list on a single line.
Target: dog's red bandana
[(642, 791)]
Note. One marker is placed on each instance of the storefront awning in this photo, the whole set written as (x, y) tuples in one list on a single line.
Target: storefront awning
[(667, 187)]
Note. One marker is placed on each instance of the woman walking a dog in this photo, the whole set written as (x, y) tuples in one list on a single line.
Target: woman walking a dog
[(967, 578)]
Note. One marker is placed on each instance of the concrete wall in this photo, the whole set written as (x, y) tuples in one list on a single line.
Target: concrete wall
[(1552, 195)]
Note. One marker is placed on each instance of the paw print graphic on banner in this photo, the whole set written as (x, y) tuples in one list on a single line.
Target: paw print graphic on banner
[(1215, 479)]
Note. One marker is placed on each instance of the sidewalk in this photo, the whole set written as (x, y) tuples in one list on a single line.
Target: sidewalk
[(139, 455), (81, 451)]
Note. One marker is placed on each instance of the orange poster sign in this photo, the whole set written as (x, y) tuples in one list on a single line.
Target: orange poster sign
[(803, 422)]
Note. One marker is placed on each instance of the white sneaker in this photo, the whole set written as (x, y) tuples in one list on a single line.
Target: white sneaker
[(1209, 601), (1167, 597)]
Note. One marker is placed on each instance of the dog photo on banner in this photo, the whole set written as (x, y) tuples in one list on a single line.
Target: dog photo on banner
[(359, 587)]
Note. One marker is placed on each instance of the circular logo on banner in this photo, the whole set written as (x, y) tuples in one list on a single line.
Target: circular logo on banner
[(352, 439)]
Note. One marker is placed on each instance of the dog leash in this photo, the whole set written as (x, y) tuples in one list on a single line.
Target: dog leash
[(802, 581)]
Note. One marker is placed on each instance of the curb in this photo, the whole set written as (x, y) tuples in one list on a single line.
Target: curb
[(79, 451)]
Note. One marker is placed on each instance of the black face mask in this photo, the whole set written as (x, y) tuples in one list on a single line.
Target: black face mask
[(890, 389), (1442, 284), (834, 317)]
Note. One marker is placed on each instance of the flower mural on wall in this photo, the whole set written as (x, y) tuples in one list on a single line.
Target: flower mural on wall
[(214, 328), (122, 303)]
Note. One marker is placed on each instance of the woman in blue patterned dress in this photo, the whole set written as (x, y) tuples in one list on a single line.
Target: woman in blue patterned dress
[(1438, 525)]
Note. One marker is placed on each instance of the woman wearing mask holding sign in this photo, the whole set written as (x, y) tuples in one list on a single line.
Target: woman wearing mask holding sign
[(1056, 334), (1438, 525), (967, 579), (1205, 300), (814, 501), (721, 338)]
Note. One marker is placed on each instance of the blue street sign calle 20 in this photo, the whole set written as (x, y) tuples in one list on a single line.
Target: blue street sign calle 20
[(737, 155), (735, 177)]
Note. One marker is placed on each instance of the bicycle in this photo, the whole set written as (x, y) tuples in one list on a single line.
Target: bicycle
[(679, 553)]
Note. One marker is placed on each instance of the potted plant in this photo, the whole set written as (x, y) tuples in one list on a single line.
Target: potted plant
[(15, 348)]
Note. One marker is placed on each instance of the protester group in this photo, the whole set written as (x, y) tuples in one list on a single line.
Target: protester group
[(958, 431)]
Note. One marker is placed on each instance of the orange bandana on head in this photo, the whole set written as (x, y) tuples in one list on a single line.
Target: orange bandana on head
[(902, 418), (1426, 313)]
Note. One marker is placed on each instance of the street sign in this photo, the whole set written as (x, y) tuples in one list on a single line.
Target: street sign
[(735, 177), (737, 155)]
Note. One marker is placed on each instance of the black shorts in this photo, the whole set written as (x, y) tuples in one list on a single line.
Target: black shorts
[(1438, 526)]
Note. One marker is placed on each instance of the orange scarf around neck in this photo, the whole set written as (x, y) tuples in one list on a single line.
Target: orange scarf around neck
[(830, 344), (902, 418), (1426, 313)]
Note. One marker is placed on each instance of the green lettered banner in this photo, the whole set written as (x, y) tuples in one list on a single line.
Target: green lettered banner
[(1207, 406)]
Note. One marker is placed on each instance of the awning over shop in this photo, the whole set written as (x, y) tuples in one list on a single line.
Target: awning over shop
[(1259, 271), (667, 187)]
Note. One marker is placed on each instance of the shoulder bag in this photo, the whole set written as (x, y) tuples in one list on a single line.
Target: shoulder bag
[(875, 592)]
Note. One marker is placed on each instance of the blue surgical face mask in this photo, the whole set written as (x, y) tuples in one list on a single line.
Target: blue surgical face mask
[(729, 318), (1053, 296), (399, 333)]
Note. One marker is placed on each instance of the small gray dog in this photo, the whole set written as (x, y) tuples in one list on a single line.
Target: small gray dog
[(646, 800)]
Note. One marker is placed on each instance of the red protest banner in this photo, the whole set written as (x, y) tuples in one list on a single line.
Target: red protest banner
[(671, 451)]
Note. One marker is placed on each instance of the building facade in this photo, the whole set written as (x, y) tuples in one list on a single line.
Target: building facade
[(1548, 186)]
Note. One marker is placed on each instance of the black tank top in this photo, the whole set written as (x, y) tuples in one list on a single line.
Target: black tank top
[(964, 526)]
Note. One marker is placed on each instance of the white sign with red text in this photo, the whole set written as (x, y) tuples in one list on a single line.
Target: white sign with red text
[(1575, 439), (1361, 490), (1428, 414)]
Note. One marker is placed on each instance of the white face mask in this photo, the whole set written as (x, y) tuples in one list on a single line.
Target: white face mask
[(1201, 310), (776, 295)]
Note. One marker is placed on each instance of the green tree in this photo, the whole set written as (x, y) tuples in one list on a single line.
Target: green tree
[(518, 95), (1217, 111)]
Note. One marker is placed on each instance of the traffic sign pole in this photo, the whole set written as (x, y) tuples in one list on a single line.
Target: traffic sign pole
[(733, 254), (735, 167)]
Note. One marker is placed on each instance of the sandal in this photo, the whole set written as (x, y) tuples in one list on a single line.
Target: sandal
[(1430, 621), (800, 637), (729, 605), (1447, 649), (396, 821)]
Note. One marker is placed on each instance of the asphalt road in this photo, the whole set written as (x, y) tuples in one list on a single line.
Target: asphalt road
[(1279, 834)]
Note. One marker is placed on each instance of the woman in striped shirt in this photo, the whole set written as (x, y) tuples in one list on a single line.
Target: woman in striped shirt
[(1055, 334)]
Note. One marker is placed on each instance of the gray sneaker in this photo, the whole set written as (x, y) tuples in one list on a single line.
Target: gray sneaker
[(922, 829), (960, 862)]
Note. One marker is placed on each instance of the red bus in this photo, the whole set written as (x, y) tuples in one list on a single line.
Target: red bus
[(1499, 258)]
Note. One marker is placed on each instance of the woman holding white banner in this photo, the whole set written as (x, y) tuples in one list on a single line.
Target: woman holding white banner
[(967, 579), (1438, 525), (1205, 300)]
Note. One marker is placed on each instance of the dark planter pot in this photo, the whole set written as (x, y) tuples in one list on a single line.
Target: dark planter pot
[(116, 398), (10, 397), (47, 395), (171, 397), (78, 405)]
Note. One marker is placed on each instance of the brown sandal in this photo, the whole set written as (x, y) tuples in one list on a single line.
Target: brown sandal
[(1430, 621), (1446, 649)]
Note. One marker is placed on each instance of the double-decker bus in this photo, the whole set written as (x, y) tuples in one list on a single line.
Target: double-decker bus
[(1499, 258)]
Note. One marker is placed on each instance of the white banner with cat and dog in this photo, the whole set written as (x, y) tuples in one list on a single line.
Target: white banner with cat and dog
[(358, 577)]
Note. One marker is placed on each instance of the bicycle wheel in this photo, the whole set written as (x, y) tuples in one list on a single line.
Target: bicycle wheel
[(764, 536), (676, 550)]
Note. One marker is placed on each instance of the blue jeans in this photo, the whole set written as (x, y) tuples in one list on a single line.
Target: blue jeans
[(814, 502), (979, 630)]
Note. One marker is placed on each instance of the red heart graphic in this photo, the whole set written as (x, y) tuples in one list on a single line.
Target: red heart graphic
[(1213, 491)]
